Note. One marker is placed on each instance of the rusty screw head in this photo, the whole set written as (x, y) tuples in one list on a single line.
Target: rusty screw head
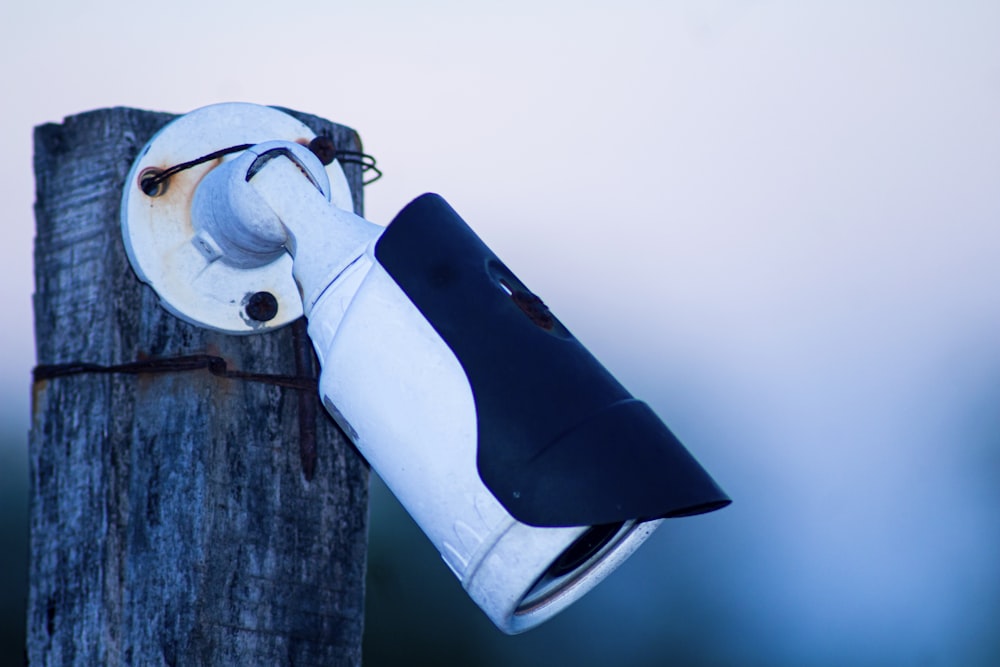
[(262, 306), (323, 148)]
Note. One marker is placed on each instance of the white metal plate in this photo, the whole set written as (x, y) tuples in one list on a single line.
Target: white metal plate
[(158, 231)]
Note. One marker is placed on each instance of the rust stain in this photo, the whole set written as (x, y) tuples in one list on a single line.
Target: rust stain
[(38, 388), (308, 400), (534, 308)]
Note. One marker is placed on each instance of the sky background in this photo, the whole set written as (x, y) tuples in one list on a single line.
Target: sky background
[(776, 222)]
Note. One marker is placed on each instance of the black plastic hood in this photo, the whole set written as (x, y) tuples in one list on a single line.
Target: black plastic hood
[(561, 442)]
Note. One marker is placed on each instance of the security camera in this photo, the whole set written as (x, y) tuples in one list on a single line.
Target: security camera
[(530, 468)]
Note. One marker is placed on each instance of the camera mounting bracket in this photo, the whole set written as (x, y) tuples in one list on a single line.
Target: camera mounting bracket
[(164, 246)]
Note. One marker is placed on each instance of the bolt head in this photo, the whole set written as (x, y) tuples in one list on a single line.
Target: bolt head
[(262, 306), (323, 148)]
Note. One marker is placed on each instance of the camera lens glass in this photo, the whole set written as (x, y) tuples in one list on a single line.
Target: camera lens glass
[(574, 563), (583, 549)]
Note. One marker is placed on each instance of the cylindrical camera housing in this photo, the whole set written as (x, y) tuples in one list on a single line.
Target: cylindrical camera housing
[(400, 393), (518, 482)]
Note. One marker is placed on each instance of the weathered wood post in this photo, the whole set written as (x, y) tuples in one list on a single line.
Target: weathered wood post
[(173, 521)]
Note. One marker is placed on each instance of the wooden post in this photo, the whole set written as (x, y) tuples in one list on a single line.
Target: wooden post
[(172, 522)]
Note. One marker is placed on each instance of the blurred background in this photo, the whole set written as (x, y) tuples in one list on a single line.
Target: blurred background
[(777, 222)]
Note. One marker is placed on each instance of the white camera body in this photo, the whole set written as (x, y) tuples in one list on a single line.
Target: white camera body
[(532, 471), (412, 414)]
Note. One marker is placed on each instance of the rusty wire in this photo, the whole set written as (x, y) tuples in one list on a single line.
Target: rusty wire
[(215, 365), (151, 182), (366, 161)]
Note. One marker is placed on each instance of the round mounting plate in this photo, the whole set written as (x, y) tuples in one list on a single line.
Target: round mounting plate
[(157, 230)]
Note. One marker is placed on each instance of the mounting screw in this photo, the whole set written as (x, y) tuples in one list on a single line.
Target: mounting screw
[(152, 182), (262, 306), (323, 148)]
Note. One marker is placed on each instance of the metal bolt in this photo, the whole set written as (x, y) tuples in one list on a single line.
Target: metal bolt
[(323, 148), (152, 183), (262, 306)]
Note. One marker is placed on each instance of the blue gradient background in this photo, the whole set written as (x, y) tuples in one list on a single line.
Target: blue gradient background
[(777, 222)]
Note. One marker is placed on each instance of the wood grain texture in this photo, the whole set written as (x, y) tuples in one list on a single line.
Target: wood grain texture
[(171, 523)]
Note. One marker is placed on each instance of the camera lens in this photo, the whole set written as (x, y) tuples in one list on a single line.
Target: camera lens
[(574, 563), (583, 549)]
